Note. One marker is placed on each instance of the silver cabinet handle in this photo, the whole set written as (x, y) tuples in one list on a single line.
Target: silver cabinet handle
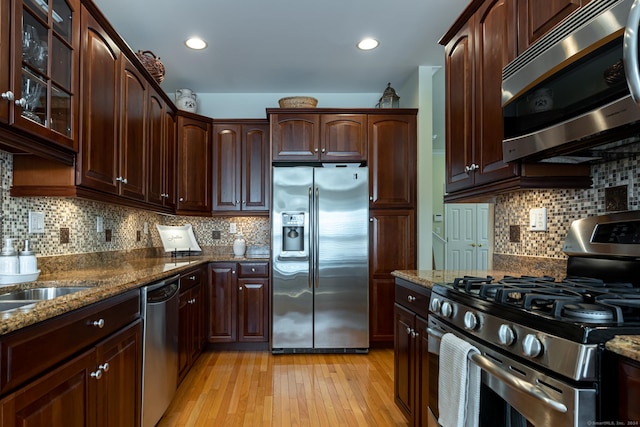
[(323, 150), (253, 269), (8, 96), (97, 374), (409, 330), (233, 272), (411, 298), (240, 288), (414, 334), (192, 277), (98, 323), (316, 150), (181, 199), (104, 367), (630, 52), (21, 102)]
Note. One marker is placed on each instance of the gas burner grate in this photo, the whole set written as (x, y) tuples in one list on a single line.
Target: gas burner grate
[(469, 284)]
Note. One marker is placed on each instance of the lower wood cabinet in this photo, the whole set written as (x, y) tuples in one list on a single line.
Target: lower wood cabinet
[(191, 323), (238, 297), (411, 355), (99, 385)]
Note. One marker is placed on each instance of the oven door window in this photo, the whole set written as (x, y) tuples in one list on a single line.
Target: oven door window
[(494, 411), (593, 81)]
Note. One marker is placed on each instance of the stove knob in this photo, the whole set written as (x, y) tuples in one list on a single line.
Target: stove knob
[(435, 305), (506, 336), (447, 309), (470, 321), (531, 346)]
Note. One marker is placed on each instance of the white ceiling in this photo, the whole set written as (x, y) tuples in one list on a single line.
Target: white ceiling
[(285, 46)]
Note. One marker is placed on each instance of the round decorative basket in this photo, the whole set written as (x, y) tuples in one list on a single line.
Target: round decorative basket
[(152, 64), (298, 102)]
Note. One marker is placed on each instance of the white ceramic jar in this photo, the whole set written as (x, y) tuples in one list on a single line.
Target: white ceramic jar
[(9, 263), (239, 246)]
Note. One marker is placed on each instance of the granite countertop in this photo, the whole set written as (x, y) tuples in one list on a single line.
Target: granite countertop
[(102, 280), (625, 345)]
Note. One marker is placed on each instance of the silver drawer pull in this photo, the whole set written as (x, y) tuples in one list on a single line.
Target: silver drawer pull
[(411, 298), (98, 323), (97, 374), (192, 277), (104, 367)]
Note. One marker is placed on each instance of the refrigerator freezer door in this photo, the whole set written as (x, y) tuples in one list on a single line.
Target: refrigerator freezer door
[(341, 305), (292, 304)]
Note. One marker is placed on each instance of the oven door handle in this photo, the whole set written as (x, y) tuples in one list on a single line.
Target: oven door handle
[(490, 367), (630, 52)]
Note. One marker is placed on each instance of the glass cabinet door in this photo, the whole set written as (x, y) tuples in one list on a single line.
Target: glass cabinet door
[(45, 93)]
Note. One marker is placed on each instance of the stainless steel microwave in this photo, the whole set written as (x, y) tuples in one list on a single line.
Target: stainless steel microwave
[(574, 95)]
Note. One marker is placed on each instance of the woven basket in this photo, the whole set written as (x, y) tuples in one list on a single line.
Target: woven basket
[(298, 102), (152, 64)]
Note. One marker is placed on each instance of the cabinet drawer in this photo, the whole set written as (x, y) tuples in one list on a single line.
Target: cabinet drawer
[(253, 269), (191, 278), (413, 298), (32, 350)]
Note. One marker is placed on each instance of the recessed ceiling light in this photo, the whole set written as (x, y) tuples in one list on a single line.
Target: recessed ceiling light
[(196, 43), (368, 44)]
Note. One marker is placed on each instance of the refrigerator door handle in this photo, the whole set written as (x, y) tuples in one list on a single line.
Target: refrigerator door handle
[(309, 240), (316, 238)]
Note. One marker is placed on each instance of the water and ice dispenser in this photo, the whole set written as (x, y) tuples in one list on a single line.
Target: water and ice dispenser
[(293, 238)]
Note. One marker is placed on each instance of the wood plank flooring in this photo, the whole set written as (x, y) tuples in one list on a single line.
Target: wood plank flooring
[(229, 389)]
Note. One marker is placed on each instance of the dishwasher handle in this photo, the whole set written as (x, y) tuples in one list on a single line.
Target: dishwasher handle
[(162, 291)]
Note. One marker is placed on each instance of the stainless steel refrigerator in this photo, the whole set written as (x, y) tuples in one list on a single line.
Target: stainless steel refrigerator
[(320, 259)]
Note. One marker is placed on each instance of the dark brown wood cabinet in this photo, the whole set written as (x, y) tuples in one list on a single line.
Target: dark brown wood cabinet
[(194, 164), (311, 135), (392, 185), (392, 246), (537, 17), (5, 52), (238, 296), (67, 372), (623, 399), (411, 363), (241, 167), (191, 322), (161, 184)]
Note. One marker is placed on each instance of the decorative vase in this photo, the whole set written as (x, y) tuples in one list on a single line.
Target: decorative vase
[(239, 246), (186, 100)]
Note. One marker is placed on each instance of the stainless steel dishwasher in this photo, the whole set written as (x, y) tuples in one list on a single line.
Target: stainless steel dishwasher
[(160, 354)]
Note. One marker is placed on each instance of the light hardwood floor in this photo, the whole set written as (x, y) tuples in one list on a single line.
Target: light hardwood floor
[(229, 389)]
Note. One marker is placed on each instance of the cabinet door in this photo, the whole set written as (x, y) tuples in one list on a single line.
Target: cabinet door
[(98, 159), (119, 389), (392, 160), (194, 165), (170, 158), (227, 159), (198, 310), (343, 137), (222, 298), (391, 247), (5, 83), (404, 348), (459, 72), (255, 168), (133, 135), (422, 373), (184, 334), (495, 47), (46, 46), (157, 149), (295, 137), (536, 17), (253, 310), (628, 391), (62, 398)]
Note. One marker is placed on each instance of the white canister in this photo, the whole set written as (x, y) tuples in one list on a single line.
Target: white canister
[(239, 246), (186, 100), (28, 261), (9, 263)]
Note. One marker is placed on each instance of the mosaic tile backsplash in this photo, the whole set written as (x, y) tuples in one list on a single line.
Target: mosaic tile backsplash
[(563, 206), (79, 216)]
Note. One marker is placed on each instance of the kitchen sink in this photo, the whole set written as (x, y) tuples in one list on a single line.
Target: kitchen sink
[(10, 305), (38, 294)]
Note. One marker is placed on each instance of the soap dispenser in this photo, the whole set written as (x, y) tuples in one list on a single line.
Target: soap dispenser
[(9, 263), (28, 261)]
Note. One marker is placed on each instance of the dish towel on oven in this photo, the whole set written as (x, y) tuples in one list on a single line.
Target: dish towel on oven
[(458, 384)]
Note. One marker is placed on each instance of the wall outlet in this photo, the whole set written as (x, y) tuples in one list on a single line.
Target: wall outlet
[(145, 228), (538, 219), (232, 228), (36, 222), (99, 224)]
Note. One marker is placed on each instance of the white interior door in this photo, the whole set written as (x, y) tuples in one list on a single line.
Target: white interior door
[(469, 229)]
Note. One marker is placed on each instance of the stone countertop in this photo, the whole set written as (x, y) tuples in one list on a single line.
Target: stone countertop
[(625, 345), (102, 281)]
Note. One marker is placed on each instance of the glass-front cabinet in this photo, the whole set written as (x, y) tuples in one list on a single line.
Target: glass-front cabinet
[(44, 91)]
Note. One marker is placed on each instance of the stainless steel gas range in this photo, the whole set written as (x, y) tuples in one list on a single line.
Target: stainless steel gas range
[(541, 340)]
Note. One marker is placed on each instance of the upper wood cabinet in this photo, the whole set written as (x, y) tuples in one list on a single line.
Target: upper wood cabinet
[(241, 166), (161, 189), (537, 17), (325, 135), (392, 160), (41, 42), (194, 164), (98, 159)]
